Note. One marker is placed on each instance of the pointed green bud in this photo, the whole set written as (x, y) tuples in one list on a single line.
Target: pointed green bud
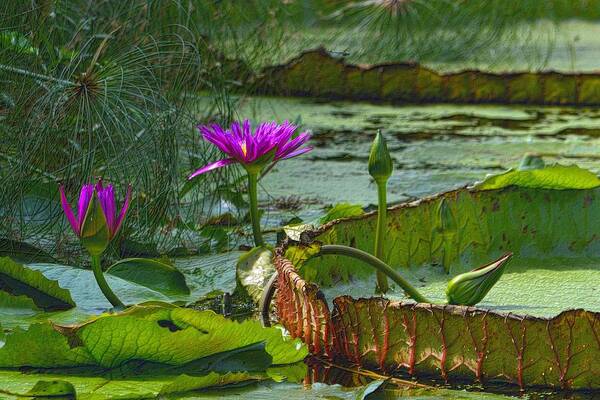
[(470, 288), (95, 234), (380, 162)]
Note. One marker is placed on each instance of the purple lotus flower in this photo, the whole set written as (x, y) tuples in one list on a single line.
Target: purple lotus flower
[(106, 199), (270, 142)]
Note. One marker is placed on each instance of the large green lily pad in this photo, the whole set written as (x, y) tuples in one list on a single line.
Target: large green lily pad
[(146, 351), (319, 74), (152, 333), (539, 325)]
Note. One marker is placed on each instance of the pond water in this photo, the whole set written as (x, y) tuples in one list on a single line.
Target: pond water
[(434, 147)]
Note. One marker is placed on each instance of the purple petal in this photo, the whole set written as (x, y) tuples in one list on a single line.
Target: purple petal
[(123, 211), (243, 144), (68, 212), (85, 197), (236, 130), (211, 166), (106, 197), (216, 136), (291, 146), (285, 133), (296, 153)]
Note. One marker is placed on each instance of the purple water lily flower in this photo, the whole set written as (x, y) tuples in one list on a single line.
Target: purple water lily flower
[(106, 198), (270, 142)]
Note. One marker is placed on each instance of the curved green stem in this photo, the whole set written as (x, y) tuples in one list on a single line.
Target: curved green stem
[(382, 283), (101, 281), (376, 263), (254, 215)]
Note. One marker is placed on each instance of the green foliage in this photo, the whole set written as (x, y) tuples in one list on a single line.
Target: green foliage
[(110, 91), (427, 30)]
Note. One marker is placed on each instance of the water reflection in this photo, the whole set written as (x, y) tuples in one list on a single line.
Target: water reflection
[(397, 385)]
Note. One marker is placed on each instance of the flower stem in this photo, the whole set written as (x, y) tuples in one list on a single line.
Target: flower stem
[(254, 215), (382, 283), (101, 281), (379, 265)]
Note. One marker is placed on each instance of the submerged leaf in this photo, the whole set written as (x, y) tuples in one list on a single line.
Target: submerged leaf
[(18, 279), (551, 177), (207, 386), (23, 252), (153, 274), (16, 304), (97, 386), (86, 293), (186, 383), (55, 388)]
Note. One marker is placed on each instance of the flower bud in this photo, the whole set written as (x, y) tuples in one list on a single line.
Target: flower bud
[(95, 232), (470, 288), (380, 162)]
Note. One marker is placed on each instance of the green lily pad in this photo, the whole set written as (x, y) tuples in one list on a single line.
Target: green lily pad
[(18, 280), (154, 274), (551, 177), (539, 325), (152, 333)]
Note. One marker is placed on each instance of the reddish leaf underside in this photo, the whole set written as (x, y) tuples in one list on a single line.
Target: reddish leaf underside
[(451, 342)]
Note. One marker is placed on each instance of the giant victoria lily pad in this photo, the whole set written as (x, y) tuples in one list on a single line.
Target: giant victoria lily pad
[(539, 326)]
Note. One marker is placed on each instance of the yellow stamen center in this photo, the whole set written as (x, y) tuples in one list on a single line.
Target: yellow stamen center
[(244, 149)]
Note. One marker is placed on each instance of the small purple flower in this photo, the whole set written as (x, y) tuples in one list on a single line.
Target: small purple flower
[(270, 142), (106, 198)]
